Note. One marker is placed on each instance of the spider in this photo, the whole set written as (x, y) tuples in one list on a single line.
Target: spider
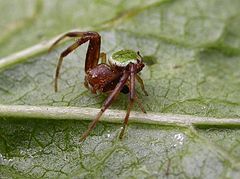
[(118, 75)]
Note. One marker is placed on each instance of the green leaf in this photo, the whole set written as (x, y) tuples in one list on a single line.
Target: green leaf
[(192, 55)]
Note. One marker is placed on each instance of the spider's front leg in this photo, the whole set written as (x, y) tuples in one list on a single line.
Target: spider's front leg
[(93, 51), (107, 103), (132, 96)]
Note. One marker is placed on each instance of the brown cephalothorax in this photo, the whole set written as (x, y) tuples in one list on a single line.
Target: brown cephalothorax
[(118, 75)]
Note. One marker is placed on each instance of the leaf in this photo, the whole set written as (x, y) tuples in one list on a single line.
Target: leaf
[(192, 56)]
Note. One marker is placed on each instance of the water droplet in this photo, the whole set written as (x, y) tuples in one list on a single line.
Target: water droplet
[(4, 160), (179, 138)]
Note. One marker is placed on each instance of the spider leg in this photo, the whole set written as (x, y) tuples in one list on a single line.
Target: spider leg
[(132, 97), (140, 104), (137, 100), (93, 51), (107, 103), (139, 79), (63, 54), (69, 34), (103, 57)]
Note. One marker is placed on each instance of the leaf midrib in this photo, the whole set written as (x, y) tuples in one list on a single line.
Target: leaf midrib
[(113, 116)]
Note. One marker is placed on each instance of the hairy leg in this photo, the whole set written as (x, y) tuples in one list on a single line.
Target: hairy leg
[(140, 104), (63, 54), (131, 97), (93, 51), (139, 79), (69, 34), (106, 104)]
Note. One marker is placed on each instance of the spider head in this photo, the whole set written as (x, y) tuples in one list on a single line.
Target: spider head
[(123, 58)]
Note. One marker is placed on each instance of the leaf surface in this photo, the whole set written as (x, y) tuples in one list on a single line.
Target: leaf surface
[(192, 55)]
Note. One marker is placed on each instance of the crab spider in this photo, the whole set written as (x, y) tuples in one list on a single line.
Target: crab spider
[(118, 75)]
